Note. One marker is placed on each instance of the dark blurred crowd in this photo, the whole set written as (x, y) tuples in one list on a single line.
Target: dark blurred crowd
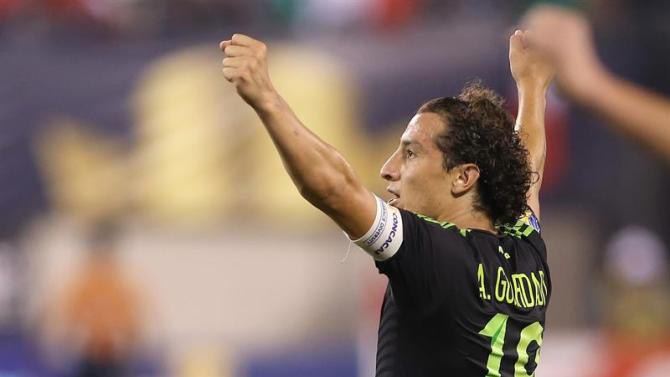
[(137, 15), (168, 17), (113, 18)]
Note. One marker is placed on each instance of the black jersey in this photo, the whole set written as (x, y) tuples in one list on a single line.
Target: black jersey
[(463, 302)]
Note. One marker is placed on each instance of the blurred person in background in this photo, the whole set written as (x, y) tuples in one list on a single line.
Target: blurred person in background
[(636, 305), (99, 312), (565, 36), (459, 240)]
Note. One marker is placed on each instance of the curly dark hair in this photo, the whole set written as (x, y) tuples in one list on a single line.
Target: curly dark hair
[(480, 131)]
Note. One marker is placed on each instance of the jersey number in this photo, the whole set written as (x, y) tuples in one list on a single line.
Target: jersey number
[(495, 330)]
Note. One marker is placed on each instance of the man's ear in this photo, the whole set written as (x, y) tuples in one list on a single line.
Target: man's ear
[(465, 177)]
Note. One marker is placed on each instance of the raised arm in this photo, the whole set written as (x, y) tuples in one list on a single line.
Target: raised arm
[(640, 114), (323, 177), (532, 74), (565, 36)]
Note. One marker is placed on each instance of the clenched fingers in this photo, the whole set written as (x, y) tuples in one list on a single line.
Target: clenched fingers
[(234, 75), (244, 40), (233, 51), (235, 62), (224, 44)]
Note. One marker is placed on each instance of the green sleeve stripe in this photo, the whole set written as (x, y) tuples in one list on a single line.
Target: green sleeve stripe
[(529, 230), (520, 229)]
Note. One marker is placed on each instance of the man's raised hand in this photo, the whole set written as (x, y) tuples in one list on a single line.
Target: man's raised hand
[(245, 65), (529, 67)]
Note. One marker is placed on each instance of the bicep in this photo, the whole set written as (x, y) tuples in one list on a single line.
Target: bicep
[(533, 194), (535, 144), (534, 204)]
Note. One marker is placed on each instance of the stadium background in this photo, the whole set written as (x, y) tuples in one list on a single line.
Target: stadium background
[(116, 122)]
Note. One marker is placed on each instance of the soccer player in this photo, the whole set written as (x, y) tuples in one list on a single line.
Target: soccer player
[(459, 240), (564, 35)]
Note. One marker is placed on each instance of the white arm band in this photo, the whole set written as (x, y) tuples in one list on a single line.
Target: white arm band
[(384, 238)]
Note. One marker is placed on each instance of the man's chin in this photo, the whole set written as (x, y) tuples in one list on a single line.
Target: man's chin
[(395, 202)]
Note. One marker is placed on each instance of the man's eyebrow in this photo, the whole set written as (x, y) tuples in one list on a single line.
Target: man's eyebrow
[(406, 143)]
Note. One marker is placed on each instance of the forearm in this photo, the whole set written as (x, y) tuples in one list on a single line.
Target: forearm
[(530, 123), (638, 113), (318, 170)]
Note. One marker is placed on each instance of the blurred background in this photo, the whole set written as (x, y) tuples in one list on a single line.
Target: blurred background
[(148, 228)]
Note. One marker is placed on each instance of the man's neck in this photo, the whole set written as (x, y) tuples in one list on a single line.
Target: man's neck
[(469, 219)]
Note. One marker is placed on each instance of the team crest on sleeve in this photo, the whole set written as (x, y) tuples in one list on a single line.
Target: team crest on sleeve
[(530, 219), (534, 222)]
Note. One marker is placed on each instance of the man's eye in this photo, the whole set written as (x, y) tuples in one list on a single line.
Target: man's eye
[(409, 153)]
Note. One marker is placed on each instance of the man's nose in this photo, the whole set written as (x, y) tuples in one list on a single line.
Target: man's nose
[(390, 171)]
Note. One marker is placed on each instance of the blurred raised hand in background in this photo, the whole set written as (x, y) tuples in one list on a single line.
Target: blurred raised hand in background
[(565, 36)]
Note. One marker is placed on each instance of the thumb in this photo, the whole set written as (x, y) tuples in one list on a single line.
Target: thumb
[(516, 42), (524, 37)]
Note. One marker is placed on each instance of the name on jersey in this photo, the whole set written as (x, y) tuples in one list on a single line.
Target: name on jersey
[(524, 290)]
